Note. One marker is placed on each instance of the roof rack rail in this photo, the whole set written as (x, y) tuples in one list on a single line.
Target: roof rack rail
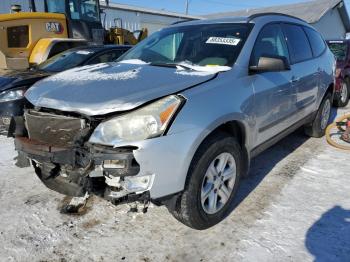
[(183, 21), (251, 17)]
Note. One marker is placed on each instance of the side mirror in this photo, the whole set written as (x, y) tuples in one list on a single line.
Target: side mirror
[(270, 64)]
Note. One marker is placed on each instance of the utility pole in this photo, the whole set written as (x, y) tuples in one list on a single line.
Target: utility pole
[(187, 3)]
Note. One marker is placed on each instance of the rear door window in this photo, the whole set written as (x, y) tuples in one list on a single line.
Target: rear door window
[(298, 43), (317, 43), (271, 43)]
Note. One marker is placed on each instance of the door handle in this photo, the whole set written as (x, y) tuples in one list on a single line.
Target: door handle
[(295, 80)]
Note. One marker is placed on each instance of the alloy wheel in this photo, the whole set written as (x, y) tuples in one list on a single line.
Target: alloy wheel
[(218, 183)]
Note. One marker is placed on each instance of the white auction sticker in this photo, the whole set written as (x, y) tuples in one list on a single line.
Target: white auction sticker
[(223, 41)]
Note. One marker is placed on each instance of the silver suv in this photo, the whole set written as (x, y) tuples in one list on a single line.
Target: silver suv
[(177, 120)]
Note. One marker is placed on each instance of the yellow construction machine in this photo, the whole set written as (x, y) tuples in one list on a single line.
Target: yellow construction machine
[(120, 36), (29, 38)]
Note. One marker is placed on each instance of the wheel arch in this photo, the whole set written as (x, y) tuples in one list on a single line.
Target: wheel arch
[(238, 130), (234, 127), (329, 90)]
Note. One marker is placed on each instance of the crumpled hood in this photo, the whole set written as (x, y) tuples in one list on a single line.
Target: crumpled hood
[(106, 88)]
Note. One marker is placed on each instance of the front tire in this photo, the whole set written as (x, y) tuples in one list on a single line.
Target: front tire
[(318, 126), (212, 182)]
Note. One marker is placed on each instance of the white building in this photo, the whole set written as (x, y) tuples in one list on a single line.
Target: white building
[(330, 17), (132, 17)]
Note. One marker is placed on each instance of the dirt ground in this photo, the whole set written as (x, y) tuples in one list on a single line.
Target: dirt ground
[(295, 206)]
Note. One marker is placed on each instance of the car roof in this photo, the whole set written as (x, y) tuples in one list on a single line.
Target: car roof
[(245, 19)]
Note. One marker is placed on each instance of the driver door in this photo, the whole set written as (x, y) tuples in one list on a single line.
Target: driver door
[(274, 95)]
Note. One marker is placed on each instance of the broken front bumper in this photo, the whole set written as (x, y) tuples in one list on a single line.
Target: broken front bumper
[(70, 171), (156, 166), (66, 163)]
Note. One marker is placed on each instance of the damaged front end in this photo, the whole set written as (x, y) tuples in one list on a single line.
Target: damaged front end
[(57, 146)]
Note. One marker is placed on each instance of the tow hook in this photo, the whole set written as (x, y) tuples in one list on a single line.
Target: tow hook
[(134, 207)]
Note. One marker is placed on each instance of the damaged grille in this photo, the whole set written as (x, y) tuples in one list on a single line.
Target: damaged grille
[(54, 130)]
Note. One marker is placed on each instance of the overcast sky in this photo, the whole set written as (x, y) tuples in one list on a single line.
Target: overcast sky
[(197, 7)]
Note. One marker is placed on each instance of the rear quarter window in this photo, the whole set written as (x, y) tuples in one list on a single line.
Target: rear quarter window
[(298, 43), (317, 43)]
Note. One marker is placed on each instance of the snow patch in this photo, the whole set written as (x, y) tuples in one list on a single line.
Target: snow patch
[(79, 76), (200, 70), (193, 73), (134, 62)]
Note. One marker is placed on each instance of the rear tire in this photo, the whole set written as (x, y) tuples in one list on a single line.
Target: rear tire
[(211, 185), (343, 98), (318, 127)]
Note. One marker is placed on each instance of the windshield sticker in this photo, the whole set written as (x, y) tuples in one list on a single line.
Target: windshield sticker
[(223, 41), (83, 52)]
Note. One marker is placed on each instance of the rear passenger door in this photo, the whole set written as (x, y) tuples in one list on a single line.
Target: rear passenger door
[(274, 96), (305, 78), (319, 47)]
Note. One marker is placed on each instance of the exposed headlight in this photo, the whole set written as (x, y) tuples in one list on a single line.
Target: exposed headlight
[(146, 122), (11, 95)]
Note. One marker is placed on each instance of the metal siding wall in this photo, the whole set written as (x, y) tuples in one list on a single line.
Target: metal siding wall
[(136, 20), (331, 25)]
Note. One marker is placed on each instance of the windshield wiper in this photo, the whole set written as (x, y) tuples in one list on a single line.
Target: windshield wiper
[(172, 65)]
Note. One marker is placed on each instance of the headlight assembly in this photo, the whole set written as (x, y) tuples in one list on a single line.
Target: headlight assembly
[(146, 122), (11, 95)]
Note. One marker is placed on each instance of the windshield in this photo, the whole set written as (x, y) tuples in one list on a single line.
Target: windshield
[(339, 50), (87, 10), (65, 60), (202, 45), (56, 6)]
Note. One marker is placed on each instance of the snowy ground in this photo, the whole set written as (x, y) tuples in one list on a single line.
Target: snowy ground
[(294, 207)]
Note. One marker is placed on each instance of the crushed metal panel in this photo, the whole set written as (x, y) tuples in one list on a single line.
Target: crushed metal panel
[(53, 129)]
